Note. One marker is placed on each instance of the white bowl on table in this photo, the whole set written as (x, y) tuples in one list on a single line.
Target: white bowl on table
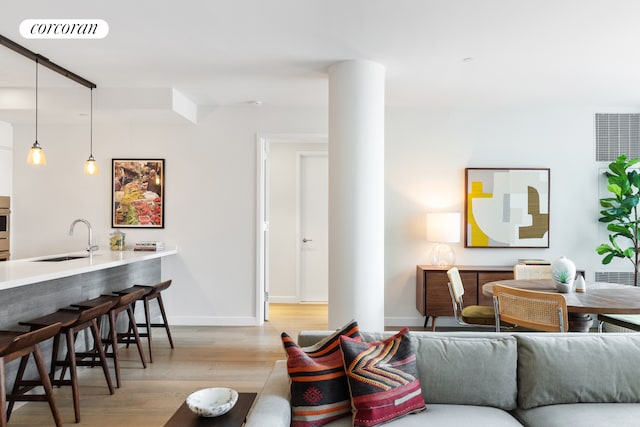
[(212, 402)]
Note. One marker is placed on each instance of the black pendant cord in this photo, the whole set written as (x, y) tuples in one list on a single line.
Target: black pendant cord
[(36, 100), (91, 128)]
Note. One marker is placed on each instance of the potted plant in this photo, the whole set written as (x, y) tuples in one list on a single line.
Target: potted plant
[(563, 271), (620, 213)]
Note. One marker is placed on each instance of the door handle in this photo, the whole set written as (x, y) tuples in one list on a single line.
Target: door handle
[(305, 240)]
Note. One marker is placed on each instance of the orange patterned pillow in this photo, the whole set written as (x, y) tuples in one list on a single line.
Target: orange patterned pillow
[(383, 379), (319, 389)]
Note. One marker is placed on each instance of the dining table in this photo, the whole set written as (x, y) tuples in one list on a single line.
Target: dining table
[(599, 298)]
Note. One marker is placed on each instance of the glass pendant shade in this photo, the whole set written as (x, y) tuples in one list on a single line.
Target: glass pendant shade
[(90, 166), (36, 155)]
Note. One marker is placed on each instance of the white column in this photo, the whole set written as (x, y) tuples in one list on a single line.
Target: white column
[(356, 194)]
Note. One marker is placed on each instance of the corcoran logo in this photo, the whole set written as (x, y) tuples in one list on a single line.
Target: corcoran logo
[(64, 28)]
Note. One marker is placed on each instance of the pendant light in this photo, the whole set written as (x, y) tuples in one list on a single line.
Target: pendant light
[(90, 166), (36, 155)]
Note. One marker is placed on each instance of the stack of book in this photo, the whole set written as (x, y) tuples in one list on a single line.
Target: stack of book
[(534, 262), (148, 246)]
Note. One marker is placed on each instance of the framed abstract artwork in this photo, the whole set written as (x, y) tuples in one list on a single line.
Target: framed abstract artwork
[(506, 208), (137, 196)]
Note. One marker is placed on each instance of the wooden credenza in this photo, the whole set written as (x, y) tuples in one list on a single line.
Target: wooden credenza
[(432, 292)]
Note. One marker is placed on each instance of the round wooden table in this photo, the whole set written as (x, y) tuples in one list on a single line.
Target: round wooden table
[(600, 298)]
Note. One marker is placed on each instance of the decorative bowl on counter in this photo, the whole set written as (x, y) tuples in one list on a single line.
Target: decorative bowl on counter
[(212, 402)]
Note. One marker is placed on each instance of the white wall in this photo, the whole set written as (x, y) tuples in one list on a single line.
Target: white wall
[(6, 159), (426, 154), (282, 218), (211, 193), (210, 200)]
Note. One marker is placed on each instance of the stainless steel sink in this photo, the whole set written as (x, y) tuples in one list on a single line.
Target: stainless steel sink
[(61, 258)]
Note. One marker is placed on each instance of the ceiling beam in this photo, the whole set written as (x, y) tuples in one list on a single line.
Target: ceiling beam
[(45, 62)]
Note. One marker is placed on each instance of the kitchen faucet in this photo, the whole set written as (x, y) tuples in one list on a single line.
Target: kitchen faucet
[(90, 246)]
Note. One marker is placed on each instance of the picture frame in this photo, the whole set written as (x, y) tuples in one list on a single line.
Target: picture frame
[(506, 208), (137, 196)]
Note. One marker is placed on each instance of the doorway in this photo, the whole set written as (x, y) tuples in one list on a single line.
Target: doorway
[(278, 275), (313, 227)]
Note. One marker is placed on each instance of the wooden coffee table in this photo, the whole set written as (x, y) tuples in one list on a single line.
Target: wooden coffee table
[(234, 418)]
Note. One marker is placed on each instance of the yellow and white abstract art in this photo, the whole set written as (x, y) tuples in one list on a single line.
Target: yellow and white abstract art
[(507, 208)]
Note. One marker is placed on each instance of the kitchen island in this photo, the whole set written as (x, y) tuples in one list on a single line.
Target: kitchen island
[(33, 287)]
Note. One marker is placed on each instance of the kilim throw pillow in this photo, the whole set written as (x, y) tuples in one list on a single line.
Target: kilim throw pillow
[(319, 389), (383, 379)]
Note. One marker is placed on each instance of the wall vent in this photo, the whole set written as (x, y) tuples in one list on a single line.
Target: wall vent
[(617, 134), (623, 277)]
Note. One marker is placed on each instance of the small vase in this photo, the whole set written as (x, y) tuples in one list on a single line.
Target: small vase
[(563, 271)]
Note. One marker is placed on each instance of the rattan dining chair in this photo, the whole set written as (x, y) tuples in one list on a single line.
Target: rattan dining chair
[(473, 315), (540, 311), (522, 271)]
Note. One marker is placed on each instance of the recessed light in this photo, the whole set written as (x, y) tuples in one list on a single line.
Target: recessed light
[(469, 59), (256, 102)]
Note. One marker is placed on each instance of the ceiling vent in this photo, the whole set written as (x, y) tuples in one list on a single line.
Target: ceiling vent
[(617, 134)]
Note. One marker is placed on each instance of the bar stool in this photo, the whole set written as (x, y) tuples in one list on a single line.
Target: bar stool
[(119, 303), (73, 321), (151, 293), (18, 344)]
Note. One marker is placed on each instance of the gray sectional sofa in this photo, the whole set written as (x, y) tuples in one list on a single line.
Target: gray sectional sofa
[(508, 379)]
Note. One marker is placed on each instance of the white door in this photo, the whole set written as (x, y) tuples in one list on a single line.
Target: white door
[(313, 219)]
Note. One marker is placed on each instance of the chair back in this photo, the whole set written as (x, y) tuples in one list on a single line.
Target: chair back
[(541, 311), (521, 271), (456, 290)]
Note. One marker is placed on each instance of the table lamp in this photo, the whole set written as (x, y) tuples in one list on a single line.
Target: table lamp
[(443, 228)]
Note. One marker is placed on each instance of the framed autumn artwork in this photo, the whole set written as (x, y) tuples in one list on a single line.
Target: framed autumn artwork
[(137, 193)]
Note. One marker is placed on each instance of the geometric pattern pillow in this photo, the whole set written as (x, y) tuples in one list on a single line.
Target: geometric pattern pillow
[(383, 379), (319, 389)]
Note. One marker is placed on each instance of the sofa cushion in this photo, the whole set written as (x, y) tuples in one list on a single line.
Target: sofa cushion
[(383, 379), (594, 368), (468, 370), (448, 416), (581, 414), (319, 389)]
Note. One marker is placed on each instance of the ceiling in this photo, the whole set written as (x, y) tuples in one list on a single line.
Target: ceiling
[(437, 53)]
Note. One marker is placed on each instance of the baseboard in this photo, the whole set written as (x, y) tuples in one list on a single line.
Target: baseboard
[(403, 321), (283, 300)]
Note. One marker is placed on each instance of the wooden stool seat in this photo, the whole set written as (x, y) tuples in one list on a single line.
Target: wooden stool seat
[(153, 292), (73, 321), (66, 319), (14, 345), (119, 303)]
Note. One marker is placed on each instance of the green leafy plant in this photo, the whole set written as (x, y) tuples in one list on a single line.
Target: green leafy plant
[(562, 276), (620, 213)]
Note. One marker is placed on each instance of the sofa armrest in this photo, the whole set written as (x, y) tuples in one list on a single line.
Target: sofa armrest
[(272, 407)]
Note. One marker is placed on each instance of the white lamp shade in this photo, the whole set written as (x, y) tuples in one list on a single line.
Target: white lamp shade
[(443, 227)]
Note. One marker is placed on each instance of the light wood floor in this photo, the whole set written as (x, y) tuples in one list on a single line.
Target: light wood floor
[(236, 357)]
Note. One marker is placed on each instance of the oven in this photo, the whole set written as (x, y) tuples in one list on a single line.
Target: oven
[(5, 219)]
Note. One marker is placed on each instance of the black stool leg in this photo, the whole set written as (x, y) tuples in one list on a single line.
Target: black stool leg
[(3, 395), (132, 325), (44, 376), (24, 360), (164, 318)]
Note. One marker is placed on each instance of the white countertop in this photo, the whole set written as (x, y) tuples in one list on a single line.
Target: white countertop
[(27, 271)]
